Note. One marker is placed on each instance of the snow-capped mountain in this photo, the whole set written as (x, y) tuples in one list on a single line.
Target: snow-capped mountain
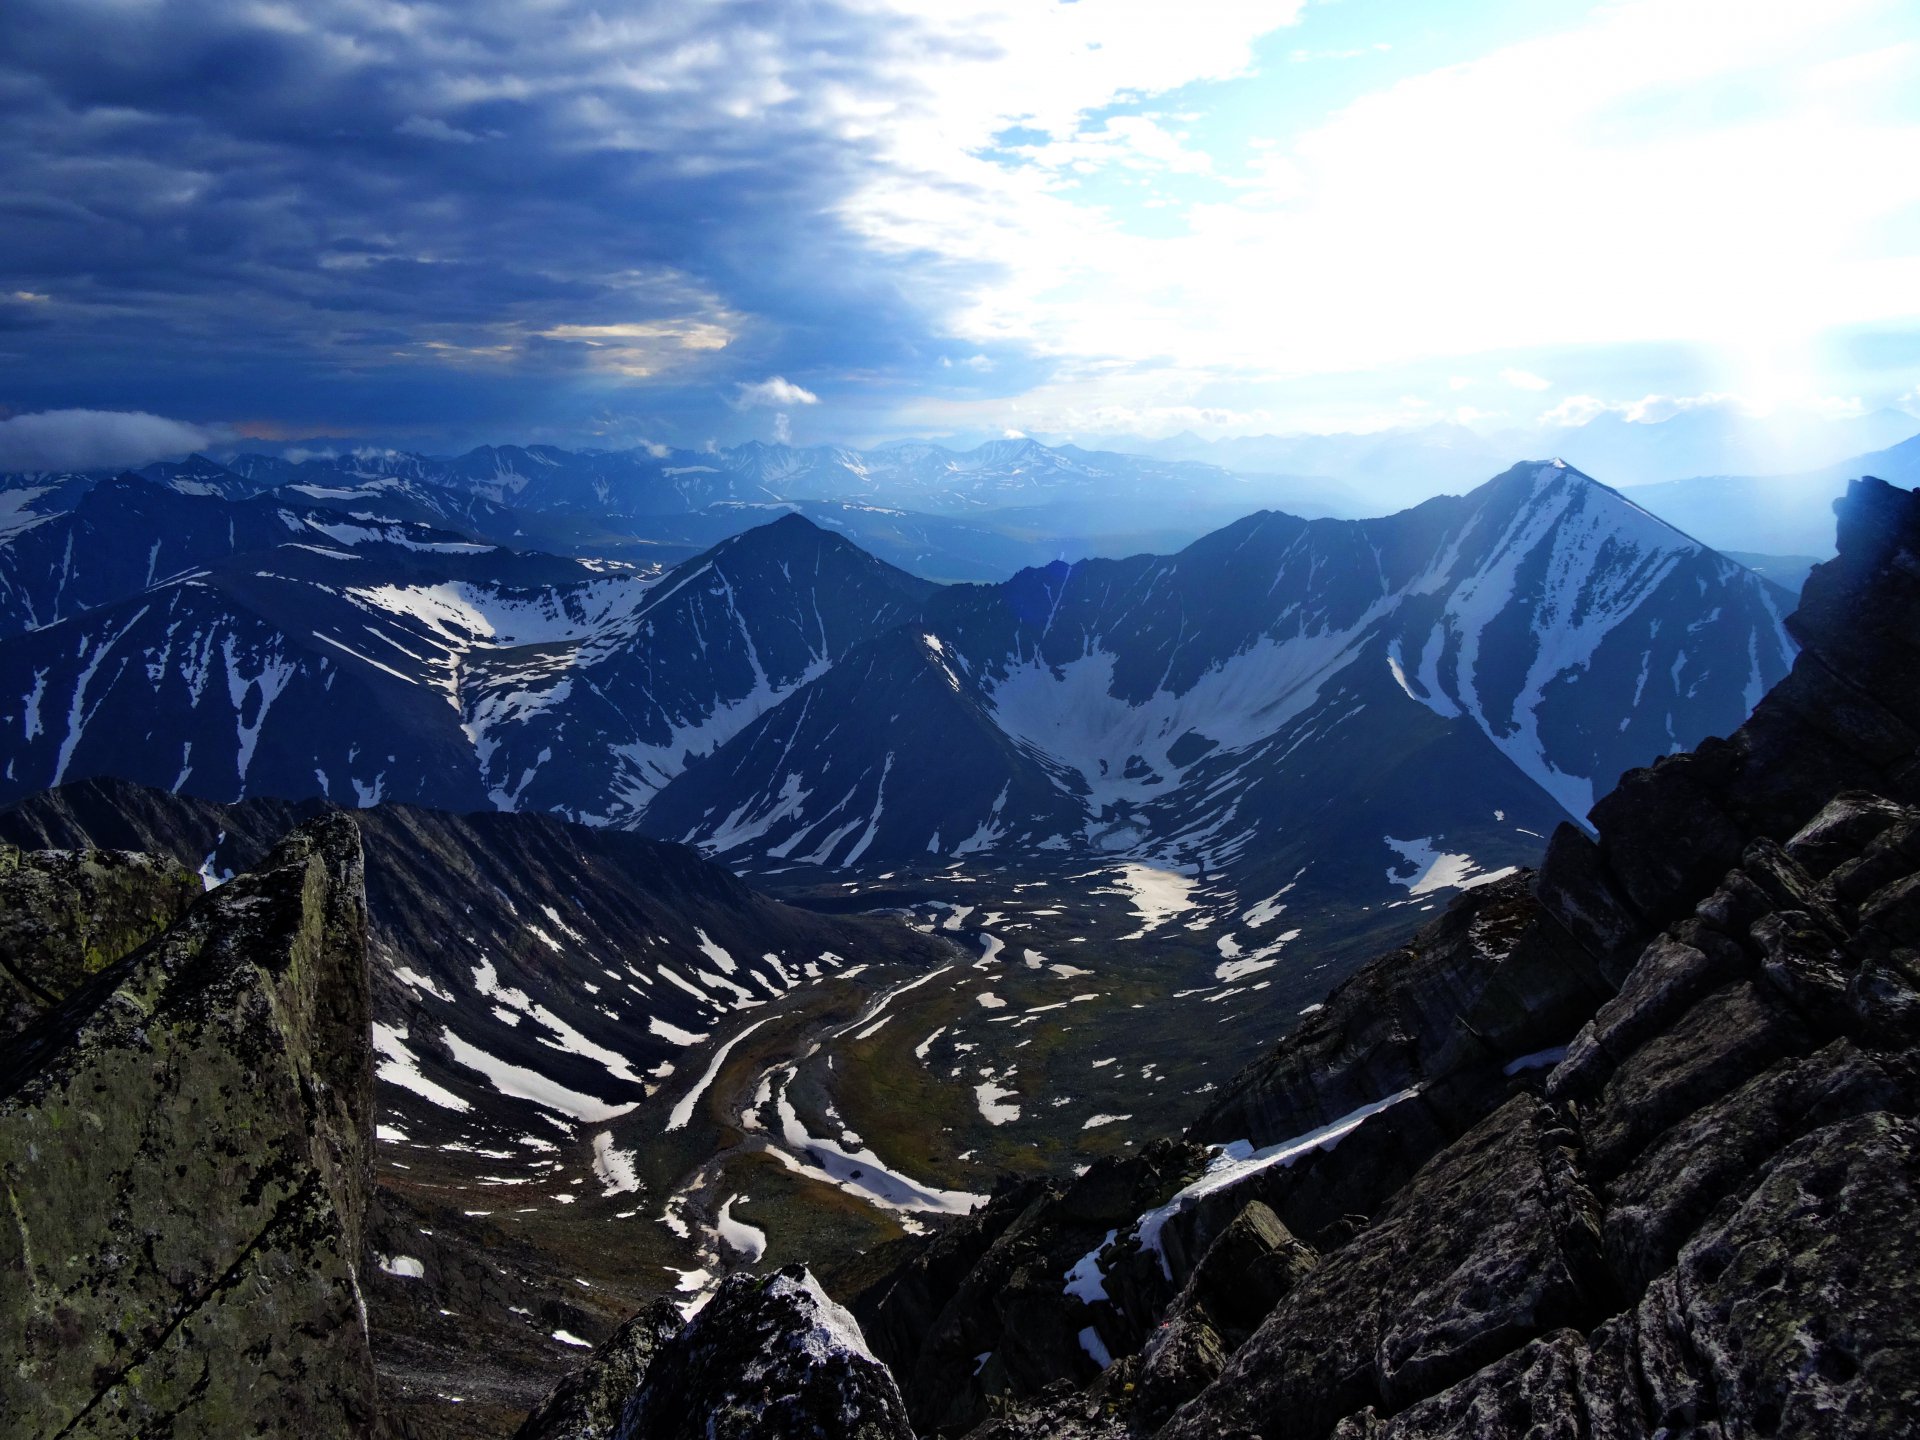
[(1511, 650), (929, 479), (120, 537), (592, 726), (272, 653), (1417, 699), (363, 661)]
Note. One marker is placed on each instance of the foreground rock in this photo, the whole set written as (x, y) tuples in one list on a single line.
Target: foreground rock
[(186, 1141), (588, 1404), (769, 1358)]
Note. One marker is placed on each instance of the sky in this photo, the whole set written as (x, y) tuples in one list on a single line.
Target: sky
[(599, 223)]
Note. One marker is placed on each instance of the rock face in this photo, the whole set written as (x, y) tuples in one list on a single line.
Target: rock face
[(769, 1358), (185, 1141), (1631, 1148), (67, 915)]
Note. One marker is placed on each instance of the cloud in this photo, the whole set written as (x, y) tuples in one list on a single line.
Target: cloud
[(1578, 410), (98, 440), (1525, 380), (359, 212), (374, 213), (1698, 173), (432, 127), (774, 391), (782, 429)]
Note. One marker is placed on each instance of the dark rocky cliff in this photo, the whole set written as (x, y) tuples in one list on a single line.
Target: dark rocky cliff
[(185, 1142)]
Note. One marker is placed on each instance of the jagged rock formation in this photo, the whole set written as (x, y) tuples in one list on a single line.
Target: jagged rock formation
[(186, 1146), (1630, 1149), (769, 1358)]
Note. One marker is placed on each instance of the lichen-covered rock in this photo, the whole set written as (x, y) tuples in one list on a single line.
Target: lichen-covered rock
[(1793, 1317), (186, 1146), (65, 915), (769, 1358), (1799, 1314), (1251, 1267), (1678, 1182), (1532, 1393), (588, 1404), (1062, 1412)]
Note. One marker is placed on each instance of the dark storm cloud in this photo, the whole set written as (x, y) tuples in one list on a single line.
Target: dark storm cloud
[(346, 209)]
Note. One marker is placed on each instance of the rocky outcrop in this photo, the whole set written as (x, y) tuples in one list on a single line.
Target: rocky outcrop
[(65, 915), (768, 1358), (588, 1404), (186, 1143), (1251, 1266), (986, 1311)]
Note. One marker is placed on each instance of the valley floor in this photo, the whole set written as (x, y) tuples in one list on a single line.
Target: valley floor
[(848, 1114)]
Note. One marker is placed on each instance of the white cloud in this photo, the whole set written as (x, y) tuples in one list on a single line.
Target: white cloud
[(774, 391), (1612, 183), (1525, 380), (98, 439), (1578, 410), (432, 127), (782, 429)]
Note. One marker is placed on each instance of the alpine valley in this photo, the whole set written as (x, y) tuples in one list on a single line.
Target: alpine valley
[(819, 932)]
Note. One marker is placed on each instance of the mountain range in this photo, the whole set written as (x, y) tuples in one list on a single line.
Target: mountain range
[(1405, 464), (1774, 514), (984, 514), (1451, 681)]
